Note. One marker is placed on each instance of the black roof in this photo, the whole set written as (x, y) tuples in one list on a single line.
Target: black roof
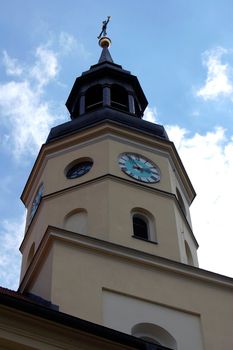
[(106, 72), (107, 114)]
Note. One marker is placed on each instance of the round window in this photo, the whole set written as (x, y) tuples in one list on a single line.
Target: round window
[(79, 169)]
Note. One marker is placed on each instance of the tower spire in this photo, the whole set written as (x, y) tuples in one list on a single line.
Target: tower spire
[(106, 85), (104, 42), (105, 55)]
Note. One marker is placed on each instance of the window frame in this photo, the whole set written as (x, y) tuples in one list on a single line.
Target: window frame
[(148, 218)]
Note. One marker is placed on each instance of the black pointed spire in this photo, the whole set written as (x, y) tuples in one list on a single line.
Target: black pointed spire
[(105, 56)]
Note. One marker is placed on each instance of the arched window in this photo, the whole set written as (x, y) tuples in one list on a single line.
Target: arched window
[(76, 221), (119, 98), (188, 254), (143, 224), (140, 226), (94, 98), (180, 200), (154, 334)]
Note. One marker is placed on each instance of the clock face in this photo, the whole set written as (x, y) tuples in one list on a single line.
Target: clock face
[(139, 167), (37, 200), (79, 169)]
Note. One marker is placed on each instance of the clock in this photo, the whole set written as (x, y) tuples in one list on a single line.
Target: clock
[(139, 167), (36, 200), (79, 169)]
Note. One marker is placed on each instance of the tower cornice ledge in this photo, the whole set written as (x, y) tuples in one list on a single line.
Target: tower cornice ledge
[(113, 250), (115, 178)]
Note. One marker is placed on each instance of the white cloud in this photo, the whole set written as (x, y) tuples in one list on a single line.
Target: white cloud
[(195, 113), (68, 44), (209, 162), (28, 117), (11, 64), (25, 113), (11, 234), (150, 115), (219, 80), (45, 68)]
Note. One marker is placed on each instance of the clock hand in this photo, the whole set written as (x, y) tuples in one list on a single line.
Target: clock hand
[(147, 170), (136, 166), (139, 167), (133, 161)]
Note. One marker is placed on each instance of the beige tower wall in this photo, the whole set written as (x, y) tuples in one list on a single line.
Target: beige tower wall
[(97, 265), (109, 217), (85, 270), (108, 214)]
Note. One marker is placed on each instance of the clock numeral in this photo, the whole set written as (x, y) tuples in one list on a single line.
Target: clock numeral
[(155, 171), (125, 157), (145, 179)]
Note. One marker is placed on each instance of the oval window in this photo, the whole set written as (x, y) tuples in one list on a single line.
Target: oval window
[(79, 169)]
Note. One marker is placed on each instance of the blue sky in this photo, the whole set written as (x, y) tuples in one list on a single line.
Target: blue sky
[(182, 53)]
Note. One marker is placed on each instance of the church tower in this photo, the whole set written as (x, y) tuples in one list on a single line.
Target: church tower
[(108, 234)]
